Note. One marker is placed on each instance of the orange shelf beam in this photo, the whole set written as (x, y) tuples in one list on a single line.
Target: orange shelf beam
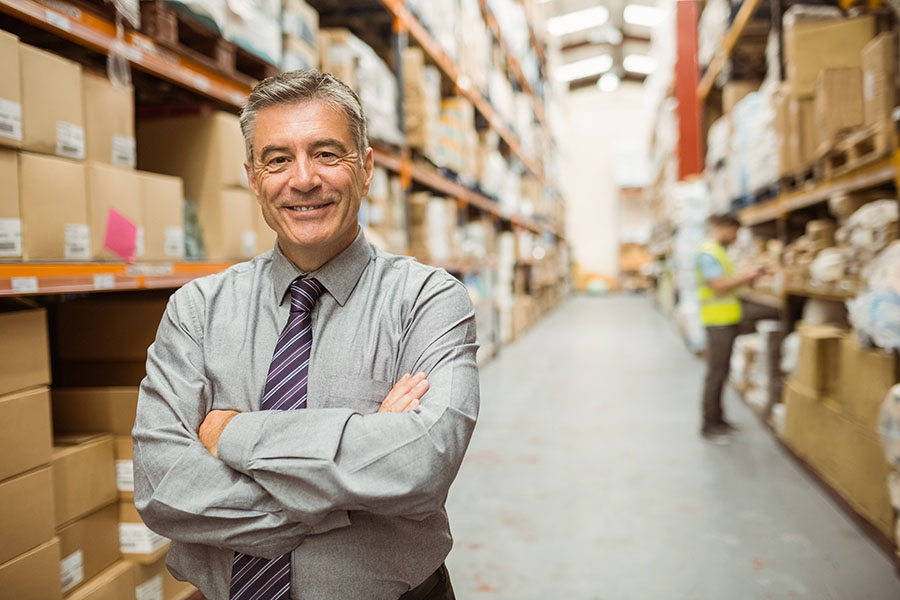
[(746, 12)]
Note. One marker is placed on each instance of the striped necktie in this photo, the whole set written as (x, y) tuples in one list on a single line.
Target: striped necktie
[(254, 578)]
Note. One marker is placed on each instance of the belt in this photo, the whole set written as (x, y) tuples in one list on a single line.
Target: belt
[(421, 591)]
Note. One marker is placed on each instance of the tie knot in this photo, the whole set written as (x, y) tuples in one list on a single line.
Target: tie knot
[(304, 294)]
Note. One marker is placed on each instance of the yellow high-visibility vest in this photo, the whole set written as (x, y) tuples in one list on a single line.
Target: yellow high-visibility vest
[(717, 310)]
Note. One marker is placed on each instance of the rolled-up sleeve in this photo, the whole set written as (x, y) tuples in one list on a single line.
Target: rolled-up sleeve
[(385, 463), (182, 491)]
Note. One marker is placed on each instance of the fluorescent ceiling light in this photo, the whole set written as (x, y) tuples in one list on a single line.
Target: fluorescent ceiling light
[(609, 82), (639, 63), (577, 21), (641, 14), (584, 68)]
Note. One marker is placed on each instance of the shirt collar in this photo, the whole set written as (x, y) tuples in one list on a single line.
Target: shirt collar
[(339, 275)]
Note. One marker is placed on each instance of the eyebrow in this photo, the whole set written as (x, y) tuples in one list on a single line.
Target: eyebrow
[(329, 142), (270, 149)]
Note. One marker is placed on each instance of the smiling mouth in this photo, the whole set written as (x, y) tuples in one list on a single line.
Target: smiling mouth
[(312, 208)]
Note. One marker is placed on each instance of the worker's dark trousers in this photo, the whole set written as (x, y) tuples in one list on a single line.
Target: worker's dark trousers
[(719, 345)]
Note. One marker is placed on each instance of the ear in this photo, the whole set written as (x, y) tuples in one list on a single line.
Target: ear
[(369, 169)]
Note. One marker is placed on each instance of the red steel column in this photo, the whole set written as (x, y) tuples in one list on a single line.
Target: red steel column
[(687, 76)]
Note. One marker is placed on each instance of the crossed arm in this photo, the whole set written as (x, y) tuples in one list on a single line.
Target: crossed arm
[(266, 488)]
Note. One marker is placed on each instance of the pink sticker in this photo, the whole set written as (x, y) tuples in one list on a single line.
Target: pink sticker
[(121, 235)]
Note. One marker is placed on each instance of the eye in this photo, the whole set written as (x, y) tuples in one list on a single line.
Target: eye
[(278, 160), (327, 155)]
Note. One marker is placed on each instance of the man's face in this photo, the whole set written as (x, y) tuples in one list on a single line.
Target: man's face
[(308, 177), (727, 235)]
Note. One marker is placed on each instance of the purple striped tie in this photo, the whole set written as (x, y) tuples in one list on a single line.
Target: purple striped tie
[(254, 578)]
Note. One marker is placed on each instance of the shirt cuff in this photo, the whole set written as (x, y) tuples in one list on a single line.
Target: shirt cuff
[(239, 438)]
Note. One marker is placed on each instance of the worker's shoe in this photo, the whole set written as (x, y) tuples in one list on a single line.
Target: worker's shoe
[(715, 437), (727, 427)]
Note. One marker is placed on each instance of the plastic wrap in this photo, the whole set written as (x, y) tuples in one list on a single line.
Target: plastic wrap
[(889, 428), (876, 312), (829, 266), (790, 353)]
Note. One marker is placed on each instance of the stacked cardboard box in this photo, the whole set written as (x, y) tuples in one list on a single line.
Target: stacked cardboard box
[(878, 67), (207, 153), (300, 33), (457, 139), (433, 232), (255, 26), (421, 101), (832, 404), (383, 213), (30, 552)]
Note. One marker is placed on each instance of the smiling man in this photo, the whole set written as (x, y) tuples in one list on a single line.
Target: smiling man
[(304, 413)]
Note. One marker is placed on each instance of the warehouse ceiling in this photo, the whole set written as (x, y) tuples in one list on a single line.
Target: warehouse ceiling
[(600, 42)]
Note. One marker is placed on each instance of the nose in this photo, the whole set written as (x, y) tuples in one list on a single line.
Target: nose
[(304, 176)]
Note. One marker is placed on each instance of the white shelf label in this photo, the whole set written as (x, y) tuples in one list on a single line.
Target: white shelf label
[(248, 244), (125, 475), (72, 570), (58, 20), (152, 589), (149, 270), (78, 242), (25, 285), (174, 242), (104, 281), (69, 140), (10, 119), (140, 248), (10, 238), (124, 151), (137, 538), (201, 83)]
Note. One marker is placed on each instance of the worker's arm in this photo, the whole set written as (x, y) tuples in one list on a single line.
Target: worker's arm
[(181, 491), (714, 276), (383, 463)]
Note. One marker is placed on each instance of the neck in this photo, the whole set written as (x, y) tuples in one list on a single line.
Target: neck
[(312, 259)]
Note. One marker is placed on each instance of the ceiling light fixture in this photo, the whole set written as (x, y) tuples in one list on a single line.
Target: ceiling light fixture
[(609, 82), (641, 14), (577, 21), (639, 63), (584, 68)]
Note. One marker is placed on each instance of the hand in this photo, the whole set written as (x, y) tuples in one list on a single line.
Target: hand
[(406, 394), (212, 427)]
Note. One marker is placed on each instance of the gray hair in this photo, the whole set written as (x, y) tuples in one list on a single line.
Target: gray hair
[(299, 86)]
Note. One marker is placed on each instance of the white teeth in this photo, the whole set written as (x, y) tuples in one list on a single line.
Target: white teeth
[(306, 208)]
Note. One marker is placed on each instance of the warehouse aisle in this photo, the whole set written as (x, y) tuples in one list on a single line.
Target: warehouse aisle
[(587, 479)]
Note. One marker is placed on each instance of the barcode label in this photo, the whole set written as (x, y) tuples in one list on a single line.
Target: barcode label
[(152, 589), (72, 570), (10, 238), (123, 151), (78, 242), (58, 20), (105, 281), (174, 242), (10, 119), (137, 538), (125, 475), (140, 248), (69, 140), (25, 285)]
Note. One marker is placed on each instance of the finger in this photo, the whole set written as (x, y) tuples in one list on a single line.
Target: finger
[(404, 386), (414, 396)]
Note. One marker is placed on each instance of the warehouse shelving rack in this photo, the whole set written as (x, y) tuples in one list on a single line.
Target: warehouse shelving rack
[(98, 34), (734, 33)]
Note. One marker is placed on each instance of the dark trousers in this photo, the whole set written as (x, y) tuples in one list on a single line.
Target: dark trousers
[(436, 587), (719, 345)]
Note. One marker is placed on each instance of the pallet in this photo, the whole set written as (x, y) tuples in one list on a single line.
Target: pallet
[(188, 37), (855, 150), (798, 181)]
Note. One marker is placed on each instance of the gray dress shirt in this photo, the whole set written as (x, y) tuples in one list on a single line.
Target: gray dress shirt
[(356, 496)]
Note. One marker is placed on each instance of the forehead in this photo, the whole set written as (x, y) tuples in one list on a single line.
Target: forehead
[(301, 122)]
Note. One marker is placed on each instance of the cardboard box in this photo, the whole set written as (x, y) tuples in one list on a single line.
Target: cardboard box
[(301, 21), (866, 378), (100, 329), (24, 348), (878, 66), (337, 54), (803, 417), (162, 213), (818, 362), (10, 214), (137, 541), (298, 56), (787, 155), (802, 127), (94, 410), (735, 91), (207, 152), (228, 222), (153, 580), (838, 105), (114, 212), (88, 546), (124, 455), (10, 91), (52, 104), (34, 575), (25, 434), (26, 512), (84, 478), (115, 583), (53, 230), (811, 47), (109, 121)]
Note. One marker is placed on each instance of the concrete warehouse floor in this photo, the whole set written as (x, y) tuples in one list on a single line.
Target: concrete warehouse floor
[(587, 479)]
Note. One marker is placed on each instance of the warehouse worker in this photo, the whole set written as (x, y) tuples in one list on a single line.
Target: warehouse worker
[(304, 413), (721, 312)]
